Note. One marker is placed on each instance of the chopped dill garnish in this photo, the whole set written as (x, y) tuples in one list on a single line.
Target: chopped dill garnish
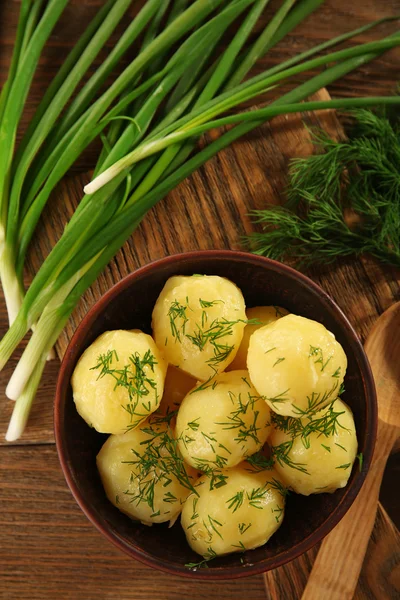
[(177, 319), (214, 524), (213, 471), (342, 447), (279, 511), (316, 352), (236, 501), (243, 527), (235, 421), (134, 377), (256, 495), (259, 462), (170, 498), (270, 350), (281, 455), (204, 334), (209, 555), (279, 397), (346, 466), (194, 425), (278, 360), (159, 460), (317, 401), (240, 545)]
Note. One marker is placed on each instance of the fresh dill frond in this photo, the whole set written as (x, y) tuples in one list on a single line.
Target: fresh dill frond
[(259, 462), (343, 201), (157, 462), (135, 377), (209, 555)]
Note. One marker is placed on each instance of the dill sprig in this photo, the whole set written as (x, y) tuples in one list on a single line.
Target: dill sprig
[(234, 420), (318, 400), (326, 425), (209, 555), (344, 200), (157, 462), (259, 462), (281, 453), (134, 377), (205, 333)]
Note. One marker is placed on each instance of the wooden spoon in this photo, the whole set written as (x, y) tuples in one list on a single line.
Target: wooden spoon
[(338, 564)]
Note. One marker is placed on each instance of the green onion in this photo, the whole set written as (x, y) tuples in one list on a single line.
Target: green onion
[(250, 89), (177, 87)]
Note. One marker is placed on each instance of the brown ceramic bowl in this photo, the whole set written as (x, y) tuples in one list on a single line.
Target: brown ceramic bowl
[(129, 305)]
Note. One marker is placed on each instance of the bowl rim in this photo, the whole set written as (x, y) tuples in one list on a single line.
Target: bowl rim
[(247, 569)]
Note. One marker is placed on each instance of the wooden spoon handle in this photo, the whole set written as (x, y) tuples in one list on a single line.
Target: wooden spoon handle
[(338, 564)]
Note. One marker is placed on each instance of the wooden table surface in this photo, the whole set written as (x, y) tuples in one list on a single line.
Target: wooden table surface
[(48, 549)]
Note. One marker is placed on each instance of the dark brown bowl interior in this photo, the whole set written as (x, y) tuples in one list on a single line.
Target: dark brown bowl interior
[(129, 305)]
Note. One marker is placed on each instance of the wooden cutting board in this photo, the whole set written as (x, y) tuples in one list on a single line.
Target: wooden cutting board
[(210, 210)]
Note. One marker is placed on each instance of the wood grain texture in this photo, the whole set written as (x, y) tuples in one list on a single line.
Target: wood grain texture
[(47, 547), (379, 578)]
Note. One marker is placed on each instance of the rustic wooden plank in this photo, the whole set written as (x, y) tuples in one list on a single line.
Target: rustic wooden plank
[(48, 549), (45, 541)]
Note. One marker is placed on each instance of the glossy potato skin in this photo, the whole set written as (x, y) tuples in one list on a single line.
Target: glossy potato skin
[(124, 482), (220, 425), (177, 385), (243, 514), (105, 406), (296, 364), (327, 459), (188, 313), (263, 314)]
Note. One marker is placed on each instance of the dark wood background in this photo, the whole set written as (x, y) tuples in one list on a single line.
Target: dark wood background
[(48, 548)]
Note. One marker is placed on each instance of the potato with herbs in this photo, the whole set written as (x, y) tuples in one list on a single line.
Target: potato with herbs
[(119, 381), (240, 515), (143, 473), (198, 322), (296, 364), (220, 423), (263, 315), (315, 454)]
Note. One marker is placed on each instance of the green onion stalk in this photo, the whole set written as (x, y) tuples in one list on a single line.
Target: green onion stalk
[(150, 148), (45, 146)]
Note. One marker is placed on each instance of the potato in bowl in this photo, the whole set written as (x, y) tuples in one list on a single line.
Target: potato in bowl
[(129, 306)]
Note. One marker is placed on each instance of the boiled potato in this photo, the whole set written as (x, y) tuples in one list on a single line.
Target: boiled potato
[(220, 423), (177, 384), (143, 474), (315, 454), (238, 516), (263, 314), (119, 380), (296, 364), (198, 322)]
